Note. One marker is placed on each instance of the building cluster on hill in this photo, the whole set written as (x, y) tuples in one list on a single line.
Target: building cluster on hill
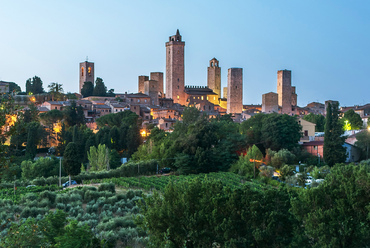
[(161, 103)]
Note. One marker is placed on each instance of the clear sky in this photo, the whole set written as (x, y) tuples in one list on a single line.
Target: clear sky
[(324, 43)]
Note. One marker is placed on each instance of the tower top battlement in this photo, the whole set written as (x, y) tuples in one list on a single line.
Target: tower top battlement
[(176, 38)]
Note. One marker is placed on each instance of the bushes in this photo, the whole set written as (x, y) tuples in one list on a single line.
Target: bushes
[(107, 187)]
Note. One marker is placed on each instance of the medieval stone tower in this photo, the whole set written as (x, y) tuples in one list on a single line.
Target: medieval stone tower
[(214, 77), (141, 81), (235, 90), (158, 76), (86, 73), (284, 90), (175, 69)]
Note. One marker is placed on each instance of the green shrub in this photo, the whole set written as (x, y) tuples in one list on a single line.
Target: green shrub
[(51, 196), (107, 187)]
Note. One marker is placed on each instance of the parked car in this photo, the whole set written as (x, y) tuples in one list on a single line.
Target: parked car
[(165, 170), (66, 184)]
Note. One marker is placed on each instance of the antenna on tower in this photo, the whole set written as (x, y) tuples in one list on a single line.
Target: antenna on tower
[(87, 58)]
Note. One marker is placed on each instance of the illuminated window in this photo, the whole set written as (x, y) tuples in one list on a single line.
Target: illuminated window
[(178, 97), (207, 97), (89, 70), (82, 71), (198, 97), (214, 98), (202, 97), (193, 97)]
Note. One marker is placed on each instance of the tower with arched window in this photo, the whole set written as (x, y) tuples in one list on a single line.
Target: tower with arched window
[(86, 73), (214, 76)]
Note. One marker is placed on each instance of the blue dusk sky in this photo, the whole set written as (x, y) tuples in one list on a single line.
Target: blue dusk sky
[(324, 43)]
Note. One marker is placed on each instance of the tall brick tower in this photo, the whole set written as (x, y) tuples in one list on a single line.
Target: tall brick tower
[(214, 77), (284, 90), (86, 73), (235, 91), (175, 69)]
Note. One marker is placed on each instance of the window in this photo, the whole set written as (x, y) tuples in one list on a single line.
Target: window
[(305, 133), (178, 97), (82, 71), (178, 87), (178, 80), (202, 98), (89, 70), (138, 100), (211, 64)]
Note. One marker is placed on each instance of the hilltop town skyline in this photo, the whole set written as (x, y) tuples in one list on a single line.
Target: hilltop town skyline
[(327, 60)]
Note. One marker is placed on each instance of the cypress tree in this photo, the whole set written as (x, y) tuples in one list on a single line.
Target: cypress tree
[(71, 160), (334, 152)]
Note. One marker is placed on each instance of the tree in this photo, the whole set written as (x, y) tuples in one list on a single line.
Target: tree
[(73, 115), (56, 91), (353, 119), (13, 87), (251, 128), (334, 152), (34, 85), (280, 131), (335, 214), (100, 89), (87, 89), (71, 160), (319, 120), (206, 213), (33, 131), (98, 158), (363, 141), (246, 165), (77, 236)]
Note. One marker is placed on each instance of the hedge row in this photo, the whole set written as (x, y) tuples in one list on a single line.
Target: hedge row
[(130, 169)]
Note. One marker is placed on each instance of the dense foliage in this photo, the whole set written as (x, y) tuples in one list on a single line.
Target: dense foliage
[(274, 131), (318, 119), (334, 152), (206, 212)]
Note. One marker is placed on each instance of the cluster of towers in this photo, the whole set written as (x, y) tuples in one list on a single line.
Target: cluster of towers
[(285, 100), (175, 78)]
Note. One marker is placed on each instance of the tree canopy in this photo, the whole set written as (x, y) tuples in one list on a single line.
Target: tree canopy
[(354, 119), (275, 131), (318, 119), (87, 89), (34, 85), (100, 89)]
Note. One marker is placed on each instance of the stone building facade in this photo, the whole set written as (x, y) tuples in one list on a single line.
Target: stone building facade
[(86, 73), (175, 69), (235, 90), (214, 76)]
